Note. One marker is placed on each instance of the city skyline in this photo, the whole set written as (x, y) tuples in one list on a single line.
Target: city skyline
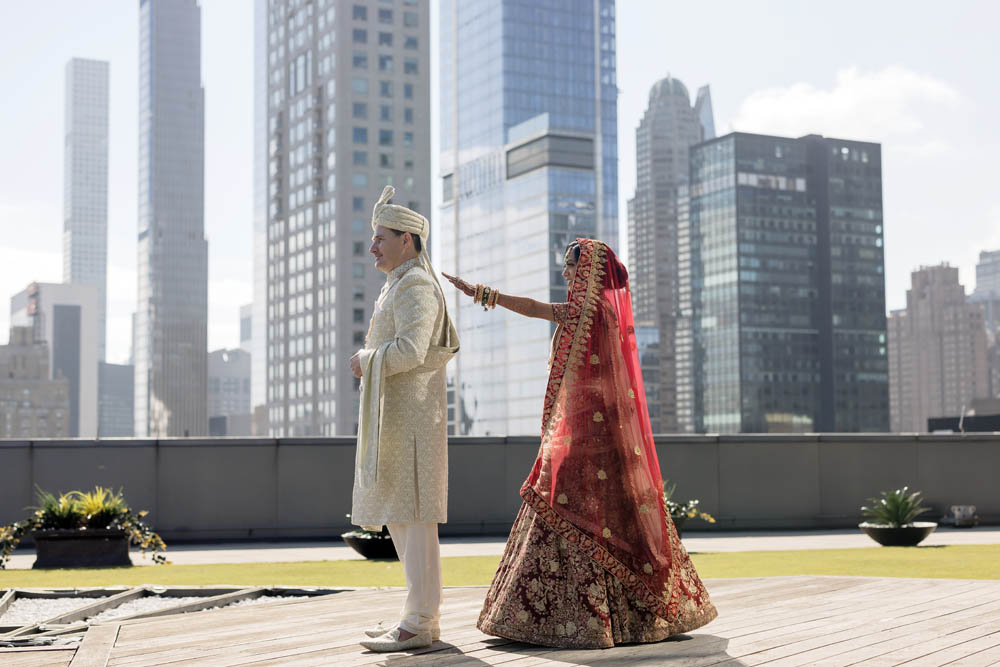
[(920, 95)]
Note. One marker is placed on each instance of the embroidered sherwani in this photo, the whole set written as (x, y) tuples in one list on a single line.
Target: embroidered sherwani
[(405, 480)]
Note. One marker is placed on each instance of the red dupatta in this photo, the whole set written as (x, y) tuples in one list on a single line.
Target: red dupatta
[(597, 480)]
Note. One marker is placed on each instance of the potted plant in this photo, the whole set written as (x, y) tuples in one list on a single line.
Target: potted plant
[(891, 519), (371, 543), (679, 511), (78, 529)]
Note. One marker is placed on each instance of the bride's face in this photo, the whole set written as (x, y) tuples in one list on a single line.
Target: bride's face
[(569, 269)]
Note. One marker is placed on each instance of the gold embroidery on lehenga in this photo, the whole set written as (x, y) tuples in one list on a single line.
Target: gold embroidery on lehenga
[(598, 417), (602, 475)]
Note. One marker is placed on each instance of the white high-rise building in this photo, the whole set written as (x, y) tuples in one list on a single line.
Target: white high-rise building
[(346, 92), (65, 318), (171, 328), (85, 182)]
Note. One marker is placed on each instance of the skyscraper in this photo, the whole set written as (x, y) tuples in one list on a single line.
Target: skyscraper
[(171, 328), (32, 403), (668, 129), (116, 400), (782, 292), (937, 351), (529, 152), (987, 292), (229, 392), (347, 112), (85, 182), (65, 318)]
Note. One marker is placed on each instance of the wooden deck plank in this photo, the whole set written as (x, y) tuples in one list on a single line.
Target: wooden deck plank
[(95, 649), (779, 621), (804, 648), (47, 658)]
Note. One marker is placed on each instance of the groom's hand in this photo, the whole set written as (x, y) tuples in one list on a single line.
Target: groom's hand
[(356, 364)]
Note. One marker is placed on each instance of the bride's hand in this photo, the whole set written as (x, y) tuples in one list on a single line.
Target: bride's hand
[(460, 284)]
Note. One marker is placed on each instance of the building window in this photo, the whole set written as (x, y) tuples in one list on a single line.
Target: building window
[(359, 110), (360, 159), (410, 19), (385, 112), (410, 42), (385, 88), (360, 135), (385, 16), (408, 91), (408, 115), (385, 160), (385, 63), (385, 137), (413, 206), (358, 293), (385, 39), (360, 36), (358, 204), (358, 315), (410, 66), (358, 271), (359, 179), (359, 13), (359, 85), (359, 249), (360, 60), (407, 138), (359, 339)]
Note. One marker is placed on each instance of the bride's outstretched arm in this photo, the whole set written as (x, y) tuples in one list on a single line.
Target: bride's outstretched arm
[(521, 305)]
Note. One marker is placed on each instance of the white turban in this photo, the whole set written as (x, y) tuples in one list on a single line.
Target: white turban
[(398, 217)]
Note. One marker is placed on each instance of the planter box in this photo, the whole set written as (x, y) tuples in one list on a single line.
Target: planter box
[(375, 546), (81, 548), (902, 536)]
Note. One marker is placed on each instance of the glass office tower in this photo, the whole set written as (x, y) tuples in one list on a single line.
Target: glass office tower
[(528, 162), (171, 327)]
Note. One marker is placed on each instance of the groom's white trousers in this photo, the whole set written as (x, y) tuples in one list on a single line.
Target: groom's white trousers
[(420, 553)]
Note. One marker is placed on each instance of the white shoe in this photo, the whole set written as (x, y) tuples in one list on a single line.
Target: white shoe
[(390, 642), (384, 627)]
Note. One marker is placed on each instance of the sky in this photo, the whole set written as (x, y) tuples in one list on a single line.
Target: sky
[(917, 77)]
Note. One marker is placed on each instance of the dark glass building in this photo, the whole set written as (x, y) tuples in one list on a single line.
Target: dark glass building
[(782, 292)]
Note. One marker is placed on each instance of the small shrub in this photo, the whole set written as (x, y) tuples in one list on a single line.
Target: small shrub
[(894, 508)]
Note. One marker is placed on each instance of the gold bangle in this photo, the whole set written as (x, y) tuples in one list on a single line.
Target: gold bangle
[(478, 295), (494, 297)]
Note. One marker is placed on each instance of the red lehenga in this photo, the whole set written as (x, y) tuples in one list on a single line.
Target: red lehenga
[(593, 560)]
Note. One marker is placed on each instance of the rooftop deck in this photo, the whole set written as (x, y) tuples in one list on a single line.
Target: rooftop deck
[(772, 621)]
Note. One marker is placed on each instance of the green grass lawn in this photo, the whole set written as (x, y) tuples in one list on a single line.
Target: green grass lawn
[(949, 562)]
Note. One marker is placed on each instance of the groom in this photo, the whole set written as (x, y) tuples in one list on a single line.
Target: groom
[(401, 465)]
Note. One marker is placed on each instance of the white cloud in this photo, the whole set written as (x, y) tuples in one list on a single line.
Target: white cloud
[(877, 105)]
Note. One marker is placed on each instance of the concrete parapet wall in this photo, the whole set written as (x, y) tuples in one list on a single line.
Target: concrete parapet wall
[(237, 488)]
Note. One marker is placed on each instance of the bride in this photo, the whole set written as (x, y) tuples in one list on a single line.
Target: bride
[(593, 559)]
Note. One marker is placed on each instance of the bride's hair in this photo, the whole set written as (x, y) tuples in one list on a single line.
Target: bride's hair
[(574, 247)]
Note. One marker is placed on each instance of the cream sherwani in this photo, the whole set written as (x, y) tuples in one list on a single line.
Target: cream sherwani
[(406, 479), (401, 478)]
